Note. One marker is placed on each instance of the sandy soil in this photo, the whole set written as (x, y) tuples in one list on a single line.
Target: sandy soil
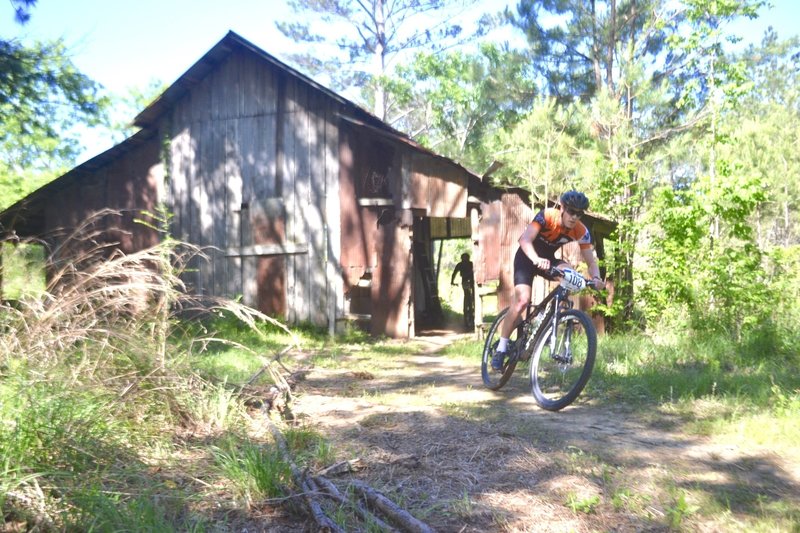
[(463, 458)]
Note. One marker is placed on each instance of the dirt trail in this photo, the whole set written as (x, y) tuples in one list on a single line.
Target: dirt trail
[(464, 458)]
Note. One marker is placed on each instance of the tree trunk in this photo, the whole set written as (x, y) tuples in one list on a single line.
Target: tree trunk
[(612, 27), (598, 77), (380, 60)]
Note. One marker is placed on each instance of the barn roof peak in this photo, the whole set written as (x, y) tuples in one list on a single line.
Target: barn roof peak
[(231, 42)]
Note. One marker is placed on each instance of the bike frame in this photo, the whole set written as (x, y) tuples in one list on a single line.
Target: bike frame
[(557, 298)]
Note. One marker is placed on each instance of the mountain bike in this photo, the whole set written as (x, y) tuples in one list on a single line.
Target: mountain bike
[(560, 342), (469, 309)]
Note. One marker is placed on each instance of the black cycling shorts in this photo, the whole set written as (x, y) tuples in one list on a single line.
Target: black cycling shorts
[(525, 270)]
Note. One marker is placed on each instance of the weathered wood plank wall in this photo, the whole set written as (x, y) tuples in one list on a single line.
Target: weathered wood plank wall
[(130, 184), (438, 187), (254, 161)]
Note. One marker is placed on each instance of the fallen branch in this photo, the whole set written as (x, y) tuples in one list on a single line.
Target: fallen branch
[(279, 396), (310, 487), (342, 467), (309, 490), (264, 368), (29, 499), (333, 492), (304, 484), (401, 517)]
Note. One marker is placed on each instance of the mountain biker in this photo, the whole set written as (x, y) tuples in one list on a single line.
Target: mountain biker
[(464, 268), (549, 230)]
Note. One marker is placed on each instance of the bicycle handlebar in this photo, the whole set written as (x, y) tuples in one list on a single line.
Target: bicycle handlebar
[(555, 271)]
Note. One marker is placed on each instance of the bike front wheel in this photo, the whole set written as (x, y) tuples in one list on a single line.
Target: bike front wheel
[(492, 378), (563, 359)]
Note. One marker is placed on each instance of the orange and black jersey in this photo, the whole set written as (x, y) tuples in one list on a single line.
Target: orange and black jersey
[(553, 235)]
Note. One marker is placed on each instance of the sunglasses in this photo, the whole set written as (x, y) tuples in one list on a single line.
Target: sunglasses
[(574, 212)]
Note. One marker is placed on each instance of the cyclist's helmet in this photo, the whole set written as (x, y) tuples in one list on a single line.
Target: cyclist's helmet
[(575, 200)]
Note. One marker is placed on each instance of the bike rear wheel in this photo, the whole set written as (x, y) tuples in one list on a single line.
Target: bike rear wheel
[(469, 316), (563, 359), (492, 378)]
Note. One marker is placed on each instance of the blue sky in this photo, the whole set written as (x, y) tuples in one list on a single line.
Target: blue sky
[(127, 44)]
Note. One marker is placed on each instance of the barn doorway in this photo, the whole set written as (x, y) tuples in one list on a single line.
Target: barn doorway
[(438, 244)]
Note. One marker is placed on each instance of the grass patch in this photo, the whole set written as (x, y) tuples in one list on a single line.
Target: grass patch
[(467, 350), (23, 270), (477, 412), (98, 393), (256, 471), (713, 383), (309, 447), (586, 505)]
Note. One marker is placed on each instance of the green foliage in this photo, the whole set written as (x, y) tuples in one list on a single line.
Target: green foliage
[(712, 77), (585, 505), (474, 95), (617, 60), (124, 108), (679, 510), (371, 36), (22, 270), (22, 10), (48, 430), (763, 133), (548, 150), (726, 287), (704, 252), (257, 471), (666, 282), (737, 297), (42, 97), (563, 53), (93, 376), (70, 442)]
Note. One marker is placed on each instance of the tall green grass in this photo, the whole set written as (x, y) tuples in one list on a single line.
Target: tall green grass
[(97, 389), (256, 471), (634, 367), (720, 387)]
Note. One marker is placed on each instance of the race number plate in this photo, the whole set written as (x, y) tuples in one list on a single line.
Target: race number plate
[(572, 280)]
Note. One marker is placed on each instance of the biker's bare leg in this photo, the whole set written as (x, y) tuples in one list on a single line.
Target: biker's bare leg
[(522, 295)]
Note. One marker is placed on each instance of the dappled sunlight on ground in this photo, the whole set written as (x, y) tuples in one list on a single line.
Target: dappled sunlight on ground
[(464, 458)]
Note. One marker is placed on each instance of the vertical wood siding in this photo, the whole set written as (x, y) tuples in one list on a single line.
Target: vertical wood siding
[(129, 184), (438, 187), (254, 159)]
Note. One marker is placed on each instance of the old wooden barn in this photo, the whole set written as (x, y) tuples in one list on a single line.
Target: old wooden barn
[(308, 206)]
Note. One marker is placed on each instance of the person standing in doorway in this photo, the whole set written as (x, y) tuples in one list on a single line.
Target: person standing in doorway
[(464, 268)]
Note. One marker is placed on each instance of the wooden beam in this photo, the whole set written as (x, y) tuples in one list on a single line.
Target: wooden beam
[(261, 250)]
